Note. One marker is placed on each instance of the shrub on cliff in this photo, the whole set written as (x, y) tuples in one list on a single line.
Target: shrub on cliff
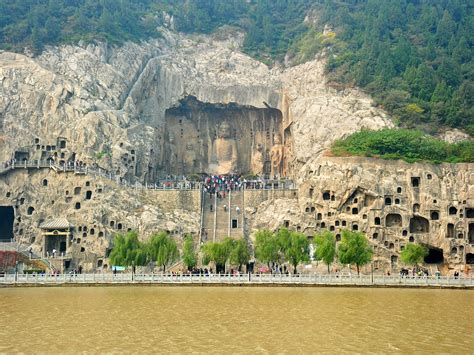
[(409, 145)]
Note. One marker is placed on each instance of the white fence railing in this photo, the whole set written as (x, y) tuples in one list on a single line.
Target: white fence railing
[(238, 279), (98, 172)]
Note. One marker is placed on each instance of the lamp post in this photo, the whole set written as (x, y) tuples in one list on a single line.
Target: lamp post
[(16, 270), (133, 270), (372, 271)]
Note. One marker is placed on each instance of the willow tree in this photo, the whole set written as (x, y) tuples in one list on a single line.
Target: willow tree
[(163, 249), (189, 253), (354, 249), (296, 249), (267, 248), (128, 250), (325, 248), (217, 252), (413, 254), (240, 254)]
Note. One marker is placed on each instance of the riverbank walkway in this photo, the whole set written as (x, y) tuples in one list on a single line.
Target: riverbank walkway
[(234, 280)]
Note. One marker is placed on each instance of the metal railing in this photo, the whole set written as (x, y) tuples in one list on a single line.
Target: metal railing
[(238, 279), (261, 184), (99, 172)]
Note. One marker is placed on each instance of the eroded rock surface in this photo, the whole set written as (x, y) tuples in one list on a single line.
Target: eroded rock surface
[(144, 111)]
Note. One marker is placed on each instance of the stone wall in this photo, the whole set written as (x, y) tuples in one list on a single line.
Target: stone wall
[(172, 200), (254, 198)]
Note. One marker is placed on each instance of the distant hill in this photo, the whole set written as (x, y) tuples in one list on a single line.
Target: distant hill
[(413, 56)]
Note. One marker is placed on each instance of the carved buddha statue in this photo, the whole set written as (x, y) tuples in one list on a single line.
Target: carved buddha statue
[(172, 153), (189, 158), (276, 155), (224, 152), (258, 160)]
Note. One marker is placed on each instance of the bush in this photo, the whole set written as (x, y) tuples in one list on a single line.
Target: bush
[(408, 145)]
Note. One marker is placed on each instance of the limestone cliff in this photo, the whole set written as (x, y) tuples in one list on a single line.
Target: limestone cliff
[(393, 202), (144, 111), (114, 100)]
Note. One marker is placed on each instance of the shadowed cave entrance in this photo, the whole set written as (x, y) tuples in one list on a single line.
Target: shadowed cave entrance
[(7, 217), (220, 138), (435, 256), (469, 258)]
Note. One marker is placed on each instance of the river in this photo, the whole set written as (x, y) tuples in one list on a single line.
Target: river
[(233, 319)]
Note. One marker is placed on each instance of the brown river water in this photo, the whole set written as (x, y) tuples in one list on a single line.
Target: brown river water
[(232, 319)]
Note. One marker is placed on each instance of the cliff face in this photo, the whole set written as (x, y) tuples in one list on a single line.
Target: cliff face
[(127, 110), (114, 100), (394, 203)]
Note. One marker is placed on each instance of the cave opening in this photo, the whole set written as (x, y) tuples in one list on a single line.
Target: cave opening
[(419, 225), (7, 217), (471, 233), (450, 230), (55, 243), (415, 182), (469, 212), (435, 256), (434, 215), (393, 220), (219, 138), (470, 258)]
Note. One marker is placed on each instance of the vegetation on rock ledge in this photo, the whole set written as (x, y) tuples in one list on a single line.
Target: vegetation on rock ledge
[(409, 145)]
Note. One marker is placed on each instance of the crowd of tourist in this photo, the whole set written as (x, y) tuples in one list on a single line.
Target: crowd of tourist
[(220, 184)]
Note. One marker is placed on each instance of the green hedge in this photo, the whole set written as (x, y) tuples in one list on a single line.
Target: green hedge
[(405, 144)]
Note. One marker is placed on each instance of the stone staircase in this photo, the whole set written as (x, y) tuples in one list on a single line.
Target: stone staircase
[(32, 260), (208, 218), (226, 217)]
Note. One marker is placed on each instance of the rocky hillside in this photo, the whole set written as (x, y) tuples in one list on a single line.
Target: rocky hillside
[(107, 102)]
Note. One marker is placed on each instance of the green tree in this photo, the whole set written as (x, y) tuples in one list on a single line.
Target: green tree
[(189, 254), (325, 248), (267, 248), (240, 253), (296, 249), (354, 249), (128, 250), (413, 254), (217, 252), (162, 249)]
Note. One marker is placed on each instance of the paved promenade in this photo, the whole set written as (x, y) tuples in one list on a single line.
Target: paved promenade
[(235, 280)]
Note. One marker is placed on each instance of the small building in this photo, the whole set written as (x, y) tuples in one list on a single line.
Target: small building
[(57, 235)]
